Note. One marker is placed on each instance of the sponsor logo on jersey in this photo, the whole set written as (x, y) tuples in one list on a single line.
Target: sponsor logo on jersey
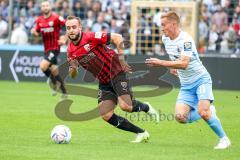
[(47, 30), (87, 58)]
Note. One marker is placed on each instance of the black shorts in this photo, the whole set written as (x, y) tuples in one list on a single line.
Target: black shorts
[(51, 56), (115, 88)]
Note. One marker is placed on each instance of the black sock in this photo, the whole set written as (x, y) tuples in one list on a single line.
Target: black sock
[(139, 106), (59, 79), (124, 124), (53, 79), (47, 72), (53, 82)]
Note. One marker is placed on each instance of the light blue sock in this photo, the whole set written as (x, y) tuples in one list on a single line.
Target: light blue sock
[(193, 116), (216, 126)]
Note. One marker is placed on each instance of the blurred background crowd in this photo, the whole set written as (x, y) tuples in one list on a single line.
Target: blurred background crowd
[(218, 24)]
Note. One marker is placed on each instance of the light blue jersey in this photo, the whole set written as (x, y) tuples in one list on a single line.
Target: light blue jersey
[(196, 83), (184, 45), (195, 80)]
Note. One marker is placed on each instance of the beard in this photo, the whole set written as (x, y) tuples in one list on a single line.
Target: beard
[(75, 38), (46, 12)]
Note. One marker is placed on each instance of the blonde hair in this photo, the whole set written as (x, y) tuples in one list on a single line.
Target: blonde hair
[(172, 16)]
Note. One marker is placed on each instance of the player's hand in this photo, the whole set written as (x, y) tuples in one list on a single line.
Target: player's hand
[(125, 66), (62, 40), (174, 72), (73, 72), (153, 62), (34, 32), (73, 67)]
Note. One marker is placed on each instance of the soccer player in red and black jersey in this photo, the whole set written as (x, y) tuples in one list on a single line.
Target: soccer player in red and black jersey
[(89, 50), (49, 25)]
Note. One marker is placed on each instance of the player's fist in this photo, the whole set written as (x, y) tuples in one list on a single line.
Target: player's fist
[(174, 72), (34, 32), (73, 72), (73, 67), (62, 40)]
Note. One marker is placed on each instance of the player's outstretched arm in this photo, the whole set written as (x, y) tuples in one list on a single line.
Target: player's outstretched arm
[(117, 39), (34, 32), (173, 72), (63, 40), (182, 63)]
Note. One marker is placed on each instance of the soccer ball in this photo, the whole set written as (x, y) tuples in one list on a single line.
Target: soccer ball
[(61, 134)]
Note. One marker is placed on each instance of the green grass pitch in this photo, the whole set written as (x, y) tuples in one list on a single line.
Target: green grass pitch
[(27, 118)]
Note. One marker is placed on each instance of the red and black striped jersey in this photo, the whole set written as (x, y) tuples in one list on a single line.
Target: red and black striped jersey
[(50, 31), (93, 54)]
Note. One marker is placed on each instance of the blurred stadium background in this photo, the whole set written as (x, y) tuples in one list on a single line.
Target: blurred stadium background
[(27, 110), (215, 24)]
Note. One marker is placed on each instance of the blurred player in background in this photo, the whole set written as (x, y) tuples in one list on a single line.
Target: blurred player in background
[(49, 25), (196, 96), (89, 50)]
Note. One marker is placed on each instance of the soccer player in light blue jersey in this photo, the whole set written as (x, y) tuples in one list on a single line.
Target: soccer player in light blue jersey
[(195, 97)]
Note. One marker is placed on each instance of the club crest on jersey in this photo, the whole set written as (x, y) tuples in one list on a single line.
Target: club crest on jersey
[(87, 47), (50, 23), (100, 93), (98, 35), (187, 46), (124, 85)]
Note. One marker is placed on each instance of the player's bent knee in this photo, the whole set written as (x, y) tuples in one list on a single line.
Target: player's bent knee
[(180, 118), (44, 65)]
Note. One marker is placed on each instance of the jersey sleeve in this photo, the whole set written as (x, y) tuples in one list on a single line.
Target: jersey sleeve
[(100, 37), (61, 21), (69, 53), (37, 27)]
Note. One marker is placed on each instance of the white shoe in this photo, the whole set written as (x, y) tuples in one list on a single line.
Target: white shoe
[(213, 111), (153, 112), (54, 93), (53, 87), (223, 143), (141, 137), (64, 96)]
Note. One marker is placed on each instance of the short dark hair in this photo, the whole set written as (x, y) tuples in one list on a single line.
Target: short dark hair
[(42, 1), (74, 17)]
